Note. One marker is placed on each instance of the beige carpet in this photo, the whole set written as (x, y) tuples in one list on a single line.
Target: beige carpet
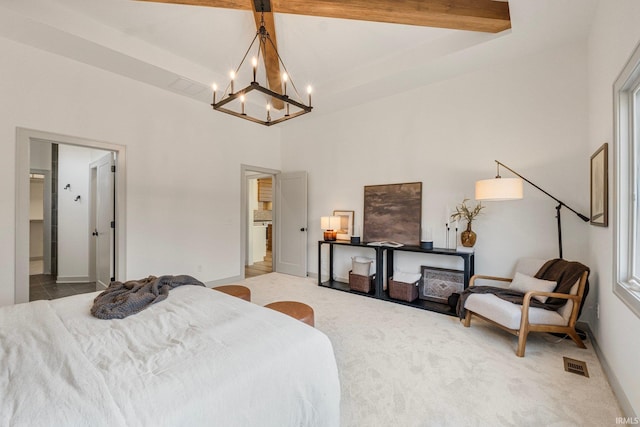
[(402, 366)]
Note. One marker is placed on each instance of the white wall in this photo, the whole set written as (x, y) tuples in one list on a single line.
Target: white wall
[(614, 35), (530, 114), (183, 161)]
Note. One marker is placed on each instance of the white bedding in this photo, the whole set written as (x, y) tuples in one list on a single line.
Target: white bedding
[(199, 358)]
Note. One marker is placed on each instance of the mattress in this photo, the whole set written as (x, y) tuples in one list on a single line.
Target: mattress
[(198, 358)]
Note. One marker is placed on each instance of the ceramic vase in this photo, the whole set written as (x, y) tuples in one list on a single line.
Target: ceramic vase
[(468, 237)]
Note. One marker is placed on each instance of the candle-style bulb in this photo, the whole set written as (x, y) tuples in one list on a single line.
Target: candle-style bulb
[(309, 90), (232, 74), (285, 77), (254, 61), (215, 88), (268, 112), (242, 103)]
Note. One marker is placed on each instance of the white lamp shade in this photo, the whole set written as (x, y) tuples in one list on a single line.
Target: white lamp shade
[(329, 222), (499, 189)]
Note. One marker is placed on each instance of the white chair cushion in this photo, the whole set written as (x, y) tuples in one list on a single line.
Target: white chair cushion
[(565, 310), (508, 314), (529, 266), (523, 283)]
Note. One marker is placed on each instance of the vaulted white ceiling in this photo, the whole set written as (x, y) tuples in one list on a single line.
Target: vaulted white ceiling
[(185, 48)]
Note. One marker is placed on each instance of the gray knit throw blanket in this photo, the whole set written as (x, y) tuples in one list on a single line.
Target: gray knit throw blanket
[(120, 300)]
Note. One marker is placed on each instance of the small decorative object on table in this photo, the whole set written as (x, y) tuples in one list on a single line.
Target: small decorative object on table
[(467, 237), (426, 245), (345, 229), (427, 239), (329, 224)]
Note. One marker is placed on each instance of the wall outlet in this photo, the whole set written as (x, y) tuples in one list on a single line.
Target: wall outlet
[(597, 310)]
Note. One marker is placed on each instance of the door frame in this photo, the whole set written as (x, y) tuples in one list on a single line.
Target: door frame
[(244, 216), (23, 158)]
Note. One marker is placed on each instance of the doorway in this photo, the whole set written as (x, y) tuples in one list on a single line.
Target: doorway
[(257, 221), (289, 219), (70, 265), (79, 181), (259, 259)]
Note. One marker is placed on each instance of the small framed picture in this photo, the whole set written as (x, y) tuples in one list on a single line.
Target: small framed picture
[(437, 284), (600, 187), (345, 231)]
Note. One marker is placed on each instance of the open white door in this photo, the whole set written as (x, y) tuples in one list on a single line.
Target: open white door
[(104, 232), (291, 223)]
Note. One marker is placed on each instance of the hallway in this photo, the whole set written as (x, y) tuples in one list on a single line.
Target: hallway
[(259, 268), (44, 286)]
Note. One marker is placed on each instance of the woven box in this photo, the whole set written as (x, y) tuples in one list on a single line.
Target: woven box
[(360, 283), (403, 291)]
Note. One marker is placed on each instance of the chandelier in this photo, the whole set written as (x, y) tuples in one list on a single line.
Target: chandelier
[(255, 102)]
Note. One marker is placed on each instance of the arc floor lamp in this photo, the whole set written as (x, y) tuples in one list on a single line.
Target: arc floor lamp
[(500, 188)]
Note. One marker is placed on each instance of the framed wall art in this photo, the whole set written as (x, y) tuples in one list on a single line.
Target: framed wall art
[(346, 225), (600, 186), (437, 284), (393, 212)]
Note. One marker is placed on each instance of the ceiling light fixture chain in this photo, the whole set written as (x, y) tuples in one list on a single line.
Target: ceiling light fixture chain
[(259, 108)]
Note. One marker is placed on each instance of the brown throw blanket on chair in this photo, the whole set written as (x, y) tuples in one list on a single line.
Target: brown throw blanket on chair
[(120, 300), (564, 273)]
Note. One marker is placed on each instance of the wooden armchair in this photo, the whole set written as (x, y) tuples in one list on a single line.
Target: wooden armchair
[(522, 319)]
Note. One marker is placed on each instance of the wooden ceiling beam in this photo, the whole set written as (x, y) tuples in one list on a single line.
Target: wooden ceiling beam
[(472, 15)]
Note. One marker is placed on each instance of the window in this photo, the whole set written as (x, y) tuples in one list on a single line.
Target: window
[(627, 158)]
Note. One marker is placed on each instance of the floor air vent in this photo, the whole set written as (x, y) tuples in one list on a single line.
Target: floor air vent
[(576, 366)]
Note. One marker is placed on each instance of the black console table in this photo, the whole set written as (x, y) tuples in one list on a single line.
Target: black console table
[(379, 292)]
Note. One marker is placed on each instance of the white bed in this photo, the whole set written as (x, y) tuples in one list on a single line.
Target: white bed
[(198, 358)]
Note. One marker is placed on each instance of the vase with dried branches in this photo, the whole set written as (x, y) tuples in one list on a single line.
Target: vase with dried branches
[(467, 237)]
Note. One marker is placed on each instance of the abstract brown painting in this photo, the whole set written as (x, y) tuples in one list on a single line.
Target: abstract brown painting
[(393, 212)]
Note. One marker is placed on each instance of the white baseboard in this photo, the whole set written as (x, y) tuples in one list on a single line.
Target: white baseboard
[(225, 281), (73, 279), (623, 401)]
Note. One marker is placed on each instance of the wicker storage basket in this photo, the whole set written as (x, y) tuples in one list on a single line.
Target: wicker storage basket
[(403, 291), (361, 283)]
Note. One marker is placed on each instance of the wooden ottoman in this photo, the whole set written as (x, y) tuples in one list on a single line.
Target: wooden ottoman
[(295, 309), (238, 291)]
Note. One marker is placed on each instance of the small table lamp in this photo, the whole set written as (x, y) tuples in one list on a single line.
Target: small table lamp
[(329, 224)]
